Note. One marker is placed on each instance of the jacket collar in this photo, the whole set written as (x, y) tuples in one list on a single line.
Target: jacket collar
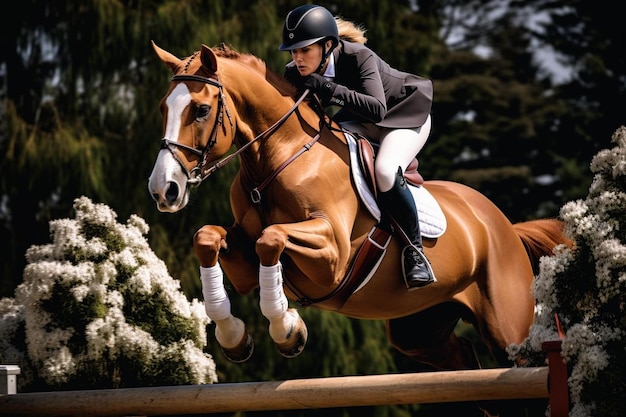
[(330, 68)]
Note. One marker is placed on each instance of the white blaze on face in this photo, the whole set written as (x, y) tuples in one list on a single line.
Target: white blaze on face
[(166, 169), (176, 103)]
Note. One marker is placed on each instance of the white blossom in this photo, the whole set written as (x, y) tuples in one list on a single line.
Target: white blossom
[(89, 301), (59, 367), (590, 307)]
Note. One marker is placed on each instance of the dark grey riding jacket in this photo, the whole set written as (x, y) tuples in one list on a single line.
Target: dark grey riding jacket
[(369, 90)]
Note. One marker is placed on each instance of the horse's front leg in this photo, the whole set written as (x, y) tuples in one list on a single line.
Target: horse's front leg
[(286, 327), (230, 331)]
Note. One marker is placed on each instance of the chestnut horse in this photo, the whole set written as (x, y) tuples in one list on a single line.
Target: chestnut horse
[(300, 222)]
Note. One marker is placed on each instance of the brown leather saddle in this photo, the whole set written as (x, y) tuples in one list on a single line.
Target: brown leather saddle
[(367, 153)]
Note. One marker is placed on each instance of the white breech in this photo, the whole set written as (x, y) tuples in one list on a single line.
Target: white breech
[(398, 147)]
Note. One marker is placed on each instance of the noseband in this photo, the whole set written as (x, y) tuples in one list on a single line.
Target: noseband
[(199, 173)]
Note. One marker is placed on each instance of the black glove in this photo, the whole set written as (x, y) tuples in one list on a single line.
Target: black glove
[(320, 86)]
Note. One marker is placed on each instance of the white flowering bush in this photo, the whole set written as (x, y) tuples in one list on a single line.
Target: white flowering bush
[(97, 309), (586, 288)]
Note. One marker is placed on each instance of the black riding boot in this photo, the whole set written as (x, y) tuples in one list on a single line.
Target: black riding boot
[(398, 203)]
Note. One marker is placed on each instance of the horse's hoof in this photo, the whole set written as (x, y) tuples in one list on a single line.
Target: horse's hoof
[(295, 345), (242, 352)]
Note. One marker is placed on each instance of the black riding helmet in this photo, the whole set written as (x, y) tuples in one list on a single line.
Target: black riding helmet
[(306, 25)]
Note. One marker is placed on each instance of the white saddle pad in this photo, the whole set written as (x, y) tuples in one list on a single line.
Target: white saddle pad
[(431, 218)]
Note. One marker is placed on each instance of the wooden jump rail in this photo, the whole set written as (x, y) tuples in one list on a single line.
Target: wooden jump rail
[(348, 391)]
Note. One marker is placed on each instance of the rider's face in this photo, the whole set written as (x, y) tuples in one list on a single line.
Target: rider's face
[(308, 59)]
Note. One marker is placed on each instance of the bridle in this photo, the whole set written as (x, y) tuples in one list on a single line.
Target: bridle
[(201, 171)]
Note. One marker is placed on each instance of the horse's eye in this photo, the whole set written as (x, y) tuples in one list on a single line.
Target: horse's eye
[(203, 112)]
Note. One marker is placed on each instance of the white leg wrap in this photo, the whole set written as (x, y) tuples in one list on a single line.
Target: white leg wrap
[(273, 300), (216, 302)]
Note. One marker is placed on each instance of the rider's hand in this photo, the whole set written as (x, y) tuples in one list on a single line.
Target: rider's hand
[(320, 86)]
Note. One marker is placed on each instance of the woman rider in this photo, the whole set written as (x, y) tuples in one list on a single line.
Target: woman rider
[(389, 107)]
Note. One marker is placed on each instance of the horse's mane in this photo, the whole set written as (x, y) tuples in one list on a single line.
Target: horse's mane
[(279, 82)]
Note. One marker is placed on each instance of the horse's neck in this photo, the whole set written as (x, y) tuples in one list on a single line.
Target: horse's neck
[(260, 105)]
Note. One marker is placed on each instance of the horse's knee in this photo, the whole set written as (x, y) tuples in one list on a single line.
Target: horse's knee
[(207, 242), (270, 245)]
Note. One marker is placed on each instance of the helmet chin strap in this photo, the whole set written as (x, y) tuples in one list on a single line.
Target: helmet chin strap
[(325, 56)]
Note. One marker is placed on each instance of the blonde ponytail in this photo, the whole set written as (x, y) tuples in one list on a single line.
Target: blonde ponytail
[(350, 31)]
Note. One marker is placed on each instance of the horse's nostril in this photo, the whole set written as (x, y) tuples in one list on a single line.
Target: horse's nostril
[(155, 197), (171, 194)]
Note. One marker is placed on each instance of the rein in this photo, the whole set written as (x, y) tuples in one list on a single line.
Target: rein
[(255, 193), (199, 173)]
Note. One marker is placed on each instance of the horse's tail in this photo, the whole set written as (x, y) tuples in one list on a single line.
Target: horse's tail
[(540, 237)]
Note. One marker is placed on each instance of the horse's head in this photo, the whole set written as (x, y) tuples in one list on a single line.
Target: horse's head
[(197, 127)]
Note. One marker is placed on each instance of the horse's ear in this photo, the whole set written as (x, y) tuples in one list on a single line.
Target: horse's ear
[(169, 59), (208, 59)]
